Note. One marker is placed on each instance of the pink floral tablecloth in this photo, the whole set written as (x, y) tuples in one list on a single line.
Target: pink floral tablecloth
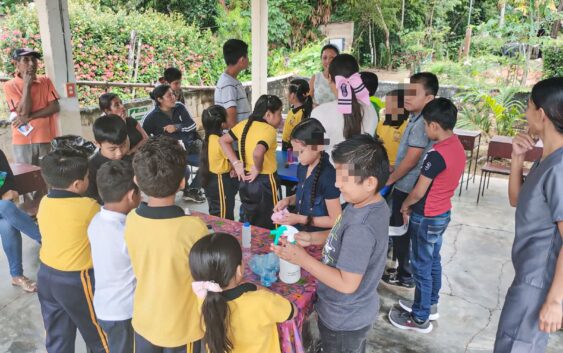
[(301, 293)]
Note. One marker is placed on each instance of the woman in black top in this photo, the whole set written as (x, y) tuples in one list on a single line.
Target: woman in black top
[(110, 103)]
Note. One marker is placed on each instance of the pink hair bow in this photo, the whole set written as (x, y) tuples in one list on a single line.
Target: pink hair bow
[(201, 288), (345, 87)]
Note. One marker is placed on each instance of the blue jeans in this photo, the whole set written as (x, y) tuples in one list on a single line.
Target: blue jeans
[(426, 241), (12, 222)]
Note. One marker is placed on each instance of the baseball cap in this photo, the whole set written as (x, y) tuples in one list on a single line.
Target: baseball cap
[(18, 53)]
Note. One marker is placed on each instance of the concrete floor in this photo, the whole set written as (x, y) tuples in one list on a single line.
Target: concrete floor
[(477, 273)]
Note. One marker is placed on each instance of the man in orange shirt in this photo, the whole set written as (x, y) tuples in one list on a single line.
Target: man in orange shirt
[(34, 104)]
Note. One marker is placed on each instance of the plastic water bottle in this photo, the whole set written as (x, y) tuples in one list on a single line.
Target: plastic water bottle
[(246, 235), (289, 155), (290, 273)]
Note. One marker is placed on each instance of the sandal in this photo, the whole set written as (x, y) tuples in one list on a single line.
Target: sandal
[(24, 283)]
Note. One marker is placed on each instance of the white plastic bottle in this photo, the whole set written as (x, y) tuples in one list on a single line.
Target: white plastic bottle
[(289, 273), (246, 235)]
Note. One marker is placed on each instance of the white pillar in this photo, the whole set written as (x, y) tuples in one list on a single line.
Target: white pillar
[(57, 54), (259, 49)]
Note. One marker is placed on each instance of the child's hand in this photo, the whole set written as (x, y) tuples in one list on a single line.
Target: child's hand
[(521, 144), (406, 211), (282, 204), (289, 252), (304, 238), (254, 172), (170, 129), (290, 219), (550, 316), (239, 170)]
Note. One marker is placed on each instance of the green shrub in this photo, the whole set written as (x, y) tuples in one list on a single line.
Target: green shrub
[(553, 59), (100, 39)]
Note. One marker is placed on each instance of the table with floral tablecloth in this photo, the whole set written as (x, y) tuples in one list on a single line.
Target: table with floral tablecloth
[(301, 293)]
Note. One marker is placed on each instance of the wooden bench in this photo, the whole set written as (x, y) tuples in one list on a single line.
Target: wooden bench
[(28, 180)]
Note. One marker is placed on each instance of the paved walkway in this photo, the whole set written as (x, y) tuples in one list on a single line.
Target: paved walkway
[(477, 273)]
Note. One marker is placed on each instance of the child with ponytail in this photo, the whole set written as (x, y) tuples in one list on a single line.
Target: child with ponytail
[(239, 316), (255, 163), (301, 107), (215, 171), (352, 114), (317, 200)]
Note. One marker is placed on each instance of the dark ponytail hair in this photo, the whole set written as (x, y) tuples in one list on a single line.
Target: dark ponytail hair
[(301, 89), (266, 103), (311, 132), (215, 258), (548, 95), (105, 101), (212, 118), (346, 65), (159, 92)]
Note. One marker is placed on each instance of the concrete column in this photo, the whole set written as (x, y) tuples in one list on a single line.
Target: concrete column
[(259, 48), (57, 54)]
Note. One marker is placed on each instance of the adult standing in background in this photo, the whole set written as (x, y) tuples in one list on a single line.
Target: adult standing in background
[(320, 82), (230, 93), (33, 102)]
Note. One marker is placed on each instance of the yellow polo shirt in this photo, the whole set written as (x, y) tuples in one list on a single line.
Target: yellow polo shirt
[(254, 314), (218, 162), (159, 239), (259, 133), (63, 218)]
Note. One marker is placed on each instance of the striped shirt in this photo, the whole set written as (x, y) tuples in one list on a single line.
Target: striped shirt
[(230, 93)]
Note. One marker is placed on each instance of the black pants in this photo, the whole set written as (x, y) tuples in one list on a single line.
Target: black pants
[(343, 341), (142, 345), (258, 200), (401, 244), (66, 299), (120, 335), (220, 193)]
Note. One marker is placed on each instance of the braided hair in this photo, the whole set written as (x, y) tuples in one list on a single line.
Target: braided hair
[(212, 119), (311, 132), (266, 103)]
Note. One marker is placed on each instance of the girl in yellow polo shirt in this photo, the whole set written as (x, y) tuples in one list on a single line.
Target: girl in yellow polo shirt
[(301, 107), (255, 163), (391, 129), (215, 169), (241, 317)]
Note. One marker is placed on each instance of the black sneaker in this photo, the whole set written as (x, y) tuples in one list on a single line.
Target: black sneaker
[(392, 279), (193, 195), (406, 305), (403, 319)]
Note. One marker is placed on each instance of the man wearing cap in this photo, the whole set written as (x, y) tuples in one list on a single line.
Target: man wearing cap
[(33, 102)]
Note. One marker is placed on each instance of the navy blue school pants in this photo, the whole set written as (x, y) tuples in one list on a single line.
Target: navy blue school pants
[(142, 345), (66, 299)]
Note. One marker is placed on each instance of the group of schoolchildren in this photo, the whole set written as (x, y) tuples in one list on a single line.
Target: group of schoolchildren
[(146, 277)]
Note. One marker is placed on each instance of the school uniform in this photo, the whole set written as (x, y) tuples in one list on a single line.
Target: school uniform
[(325, 191), (65, 282), (294, 117), (221, 189), (115, 280), (259, 197), (254, 314), (537, 244), (165, 309), (391, 137)]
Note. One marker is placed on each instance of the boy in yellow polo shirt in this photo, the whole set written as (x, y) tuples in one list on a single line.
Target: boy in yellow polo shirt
[(65, 282), (159, 238)]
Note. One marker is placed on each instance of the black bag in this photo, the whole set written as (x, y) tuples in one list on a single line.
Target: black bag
[(74, 143)]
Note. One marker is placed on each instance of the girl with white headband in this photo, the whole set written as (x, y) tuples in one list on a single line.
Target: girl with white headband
[(241, 317), (352, 114)]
